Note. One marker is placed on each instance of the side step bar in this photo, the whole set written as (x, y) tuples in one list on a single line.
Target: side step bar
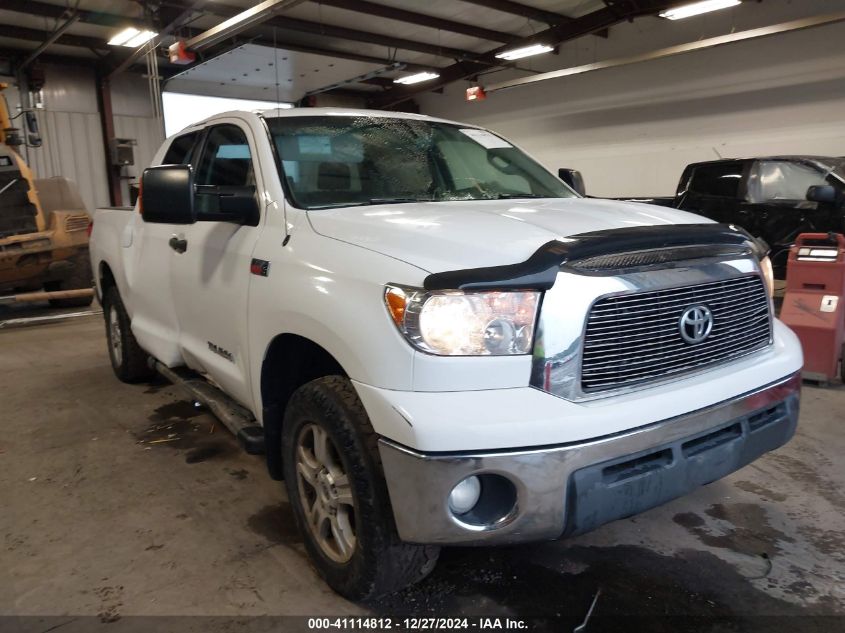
[(233, 416)]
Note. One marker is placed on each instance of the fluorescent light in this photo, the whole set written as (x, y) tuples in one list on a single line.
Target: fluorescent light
[(132, 37), (415, 79), (697, 8), (142, 38), (124, 36), (525, 51)]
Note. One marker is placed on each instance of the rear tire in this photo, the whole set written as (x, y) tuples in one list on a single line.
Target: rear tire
[(128, 360), (81, 276), (333, 474)]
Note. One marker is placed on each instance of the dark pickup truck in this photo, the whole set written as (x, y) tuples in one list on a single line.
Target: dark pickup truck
[(773, 198)]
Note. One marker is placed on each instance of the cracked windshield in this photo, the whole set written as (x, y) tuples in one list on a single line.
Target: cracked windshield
[(338, 161)]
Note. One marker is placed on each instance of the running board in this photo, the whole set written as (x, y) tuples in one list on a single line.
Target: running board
[(233, 416)]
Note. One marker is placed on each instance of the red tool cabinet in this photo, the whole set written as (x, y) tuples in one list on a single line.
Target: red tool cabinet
[(814, 304)]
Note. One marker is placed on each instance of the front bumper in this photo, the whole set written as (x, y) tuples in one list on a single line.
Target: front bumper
[(574, 488)]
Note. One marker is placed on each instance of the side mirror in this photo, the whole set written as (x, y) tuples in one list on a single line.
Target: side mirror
[(822, 193), (167, 194), (228, 203), (574, 179), (240, 204)]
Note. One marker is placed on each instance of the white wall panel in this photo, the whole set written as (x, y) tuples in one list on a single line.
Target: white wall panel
[(72, 133), (631, 130), (148, 135), (69, 89), (130, 95), (133, 118), (73, 148)]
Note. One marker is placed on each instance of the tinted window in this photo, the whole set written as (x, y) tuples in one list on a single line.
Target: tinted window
[(717, 179), (226, 160), (773, 180), (351, 160), (181, 150)]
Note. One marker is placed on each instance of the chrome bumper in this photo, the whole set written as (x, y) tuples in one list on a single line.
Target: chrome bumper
[(570, 489)]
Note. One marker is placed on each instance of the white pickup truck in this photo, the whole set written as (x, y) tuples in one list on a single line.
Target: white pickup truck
[(433, 339)]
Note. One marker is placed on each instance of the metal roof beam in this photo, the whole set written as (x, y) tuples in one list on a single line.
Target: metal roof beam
[(619, 11), (65, 39), (188, 12), (43, 9), (344, 33), (522, 10), (265, 38), (239, 23), (411, 17), (15, 54), (55, 35)]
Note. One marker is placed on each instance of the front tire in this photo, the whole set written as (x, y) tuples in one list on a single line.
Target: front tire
[(338, 495), (128, 360)]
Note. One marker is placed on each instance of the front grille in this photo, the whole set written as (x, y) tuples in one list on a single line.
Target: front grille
[(76, 223), (636, 338)]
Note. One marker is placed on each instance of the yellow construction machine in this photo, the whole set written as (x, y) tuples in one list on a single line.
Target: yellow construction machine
[(44, 227)]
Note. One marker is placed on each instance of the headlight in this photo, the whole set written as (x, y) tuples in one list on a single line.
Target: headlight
[(768, 275), (456, 323)]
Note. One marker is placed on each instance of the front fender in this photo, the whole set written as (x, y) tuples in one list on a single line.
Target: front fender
[(331, 293)]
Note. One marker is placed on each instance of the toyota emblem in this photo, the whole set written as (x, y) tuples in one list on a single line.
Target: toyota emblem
[(695, 324)]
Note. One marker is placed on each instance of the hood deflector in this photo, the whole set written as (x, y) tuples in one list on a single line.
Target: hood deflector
[(539, 271)]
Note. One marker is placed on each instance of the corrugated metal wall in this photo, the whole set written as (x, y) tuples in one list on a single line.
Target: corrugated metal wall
[(133, 118), (72, 134)]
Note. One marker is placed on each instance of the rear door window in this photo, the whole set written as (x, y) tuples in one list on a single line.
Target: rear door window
[(718, 179)]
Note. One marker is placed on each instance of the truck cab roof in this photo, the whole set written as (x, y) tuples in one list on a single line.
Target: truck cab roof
[(314, 112), (828, 162)]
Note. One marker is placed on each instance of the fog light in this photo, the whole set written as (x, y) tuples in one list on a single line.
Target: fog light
[(465, 495)]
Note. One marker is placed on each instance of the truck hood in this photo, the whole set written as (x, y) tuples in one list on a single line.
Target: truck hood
[(441, 236)]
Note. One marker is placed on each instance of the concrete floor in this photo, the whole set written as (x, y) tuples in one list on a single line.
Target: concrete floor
[(119, 500)]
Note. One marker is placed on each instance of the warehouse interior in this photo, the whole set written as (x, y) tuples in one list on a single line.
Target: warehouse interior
[(127, 501)]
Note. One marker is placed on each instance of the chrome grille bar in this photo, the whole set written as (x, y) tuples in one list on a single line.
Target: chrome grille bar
[(635, 338)]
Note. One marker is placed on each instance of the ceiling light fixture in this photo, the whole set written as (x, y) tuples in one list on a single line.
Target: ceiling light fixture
[(697, 8), (132, 37), (525, 51), (415, 79)]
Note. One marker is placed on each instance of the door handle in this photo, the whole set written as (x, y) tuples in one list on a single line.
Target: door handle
[(178, 245)]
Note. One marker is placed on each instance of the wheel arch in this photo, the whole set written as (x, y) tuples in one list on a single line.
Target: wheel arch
[(290, 361), (105, 277)]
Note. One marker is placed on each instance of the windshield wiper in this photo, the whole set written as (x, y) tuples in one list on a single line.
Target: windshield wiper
[(364, 203), (392, 200), (512, 196)]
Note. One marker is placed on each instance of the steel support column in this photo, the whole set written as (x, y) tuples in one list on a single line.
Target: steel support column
[(107, 123)]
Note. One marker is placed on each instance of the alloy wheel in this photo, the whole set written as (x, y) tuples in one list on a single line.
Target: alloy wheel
[(325, 493)]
